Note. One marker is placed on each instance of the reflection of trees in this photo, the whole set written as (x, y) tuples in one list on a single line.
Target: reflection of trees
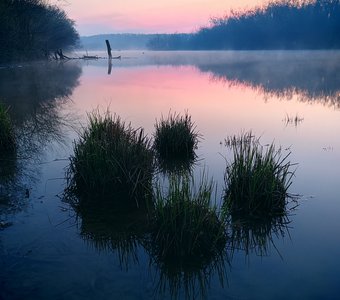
[(310, 75), (31, 88), (8, 181), (313, 76), (35, 95)]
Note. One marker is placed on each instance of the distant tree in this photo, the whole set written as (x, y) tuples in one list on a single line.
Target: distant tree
[(287, 24), (32, 29), (281, 25), (175, 41)]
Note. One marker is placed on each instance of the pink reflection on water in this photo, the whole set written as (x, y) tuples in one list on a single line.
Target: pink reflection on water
[(142, 94)]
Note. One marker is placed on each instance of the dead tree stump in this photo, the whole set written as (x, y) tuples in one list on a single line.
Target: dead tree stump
[(108, 48)]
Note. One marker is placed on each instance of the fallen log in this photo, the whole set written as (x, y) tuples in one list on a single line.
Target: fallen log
[(90, 57), (60, 54)]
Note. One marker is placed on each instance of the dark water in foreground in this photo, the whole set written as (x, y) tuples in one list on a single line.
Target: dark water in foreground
[(291, 98)]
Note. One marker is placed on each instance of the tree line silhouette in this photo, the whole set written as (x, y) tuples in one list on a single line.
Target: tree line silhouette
[(33, 29), (287, 24)]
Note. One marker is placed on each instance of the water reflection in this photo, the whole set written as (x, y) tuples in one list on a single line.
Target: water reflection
[(128, 236), (312, 76), (178, 272), (168, 167), (109, 67), (110, 231), (190, 281), (32, 88), (130, 233), (177, 166), (9, 184), (218, 110), (35, 95), (292, 120), (257, 236)]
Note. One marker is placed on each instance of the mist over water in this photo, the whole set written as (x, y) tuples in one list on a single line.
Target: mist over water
[(289, 97), (312, 74)]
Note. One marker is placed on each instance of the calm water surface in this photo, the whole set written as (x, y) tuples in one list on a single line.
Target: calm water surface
[(291, 98)]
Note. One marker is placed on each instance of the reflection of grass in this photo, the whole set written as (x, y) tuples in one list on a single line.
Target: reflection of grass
[(111, 161), (293, 120), (257, 180), (172, 166), (190, 281), (185, 225), (187, 237), (258, 235), (7, 138), (238, 140), (175, 142), (106, 230)]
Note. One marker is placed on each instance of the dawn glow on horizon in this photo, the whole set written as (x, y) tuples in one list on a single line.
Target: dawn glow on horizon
[(151, 16)]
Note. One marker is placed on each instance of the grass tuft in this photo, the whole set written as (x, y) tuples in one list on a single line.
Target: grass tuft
[(7, 137), (175, 141), (112, 162), (257, 180), (186, 228)]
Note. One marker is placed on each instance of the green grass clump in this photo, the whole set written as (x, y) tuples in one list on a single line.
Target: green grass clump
[(112, 162), (186, 228), (7, 138), (175, 140), (257, 180)]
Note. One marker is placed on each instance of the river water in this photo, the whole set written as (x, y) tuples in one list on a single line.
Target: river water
[(286, 97)]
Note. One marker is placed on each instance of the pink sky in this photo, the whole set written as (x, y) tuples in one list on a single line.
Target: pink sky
[(148, 16)]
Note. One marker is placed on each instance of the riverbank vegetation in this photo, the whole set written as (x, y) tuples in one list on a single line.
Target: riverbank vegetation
[(33, 29), (285, 24)]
